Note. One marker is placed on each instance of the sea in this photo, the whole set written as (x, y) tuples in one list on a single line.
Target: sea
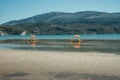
[(58, 37), (62, 42)]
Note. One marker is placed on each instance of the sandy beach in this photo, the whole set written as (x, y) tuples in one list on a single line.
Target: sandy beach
[(54, 65)]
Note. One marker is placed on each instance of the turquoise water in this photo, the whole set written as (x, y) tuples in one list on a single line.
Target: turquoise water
[(82, 37)]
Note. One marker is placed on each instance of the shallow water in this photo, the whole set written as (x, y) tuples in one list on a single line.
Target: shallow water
[(89, 42), (111, 46)]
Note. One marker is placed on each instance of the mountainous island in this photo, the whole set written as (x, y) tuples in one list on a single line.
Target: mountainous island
[(85, 22)]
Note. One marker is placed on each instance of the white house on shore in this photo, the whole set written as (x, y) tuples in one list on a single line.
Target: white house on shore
[(24, 33), (3, 33)]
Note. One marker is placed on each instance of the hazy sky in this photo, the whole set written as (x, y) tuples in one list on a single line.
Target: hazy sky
[(19, 9)]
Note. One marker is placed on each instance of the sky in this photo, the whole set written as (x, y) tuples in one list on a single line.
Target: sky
[(20, 9)]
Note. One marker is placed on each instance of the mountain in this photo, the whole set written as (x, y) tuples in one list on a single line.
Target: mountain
[(78, 17), (85, 22)]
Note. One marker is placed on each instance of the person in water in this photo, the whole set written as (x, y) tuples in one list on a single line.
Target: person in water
[(76, 41), (32, 40)]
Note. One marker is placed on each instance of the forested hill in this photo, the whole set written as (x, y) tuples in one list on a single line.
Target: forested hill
[(86, 22)]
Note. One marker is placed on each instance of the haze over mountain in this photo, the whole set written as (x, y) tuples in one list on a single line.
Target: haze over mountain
[(85, 22)]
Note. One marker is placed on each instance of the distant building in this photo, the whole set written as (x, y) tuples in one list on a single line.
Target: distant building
[(3, 33), (24, 33)]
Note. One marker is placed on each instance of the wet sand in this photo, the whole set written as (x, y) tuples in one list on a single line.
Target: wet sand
[(53, 65)]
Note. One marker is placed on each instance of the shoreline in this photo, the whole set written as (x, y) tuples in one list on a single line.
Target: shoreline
[(45, 64)]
